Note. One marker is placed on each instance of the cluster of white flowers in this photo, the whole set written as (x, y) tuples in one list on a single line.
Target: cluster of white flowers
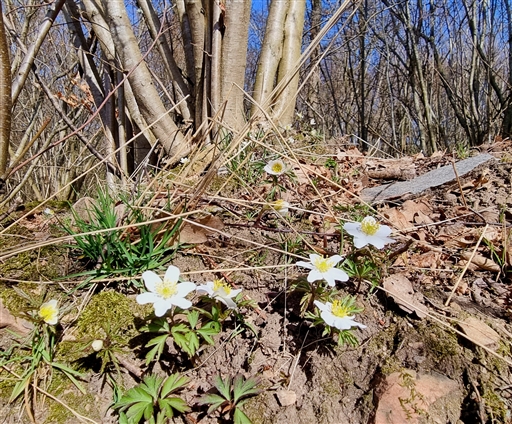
[(337, 314), (169, 292)]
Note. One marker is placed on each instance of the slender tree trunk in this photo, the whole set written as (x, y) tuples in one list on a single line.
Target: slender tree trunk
[(5, 99), (235, 23), (270, 55), (141, 82), (30, 56), (294, 25)]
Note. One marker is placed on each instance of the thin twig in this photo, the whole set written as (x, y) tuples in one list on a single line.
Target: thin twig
[(466, 267), (460, 185)]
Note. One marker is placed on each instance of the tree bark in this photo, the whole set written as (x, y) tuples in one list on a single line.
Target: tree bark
[(141, 82), (235, 22), (5, 98), (270, 55), (292, 43)]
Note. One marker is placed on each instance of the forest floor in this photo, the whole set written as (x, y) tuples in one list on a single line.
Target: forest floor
[(437, 302)]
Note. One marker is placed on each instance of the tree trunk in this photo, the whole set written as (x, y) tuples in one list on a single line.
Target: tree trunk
[(270, 55), (5, 99), (149, 102), (235, 22), (285, 103)]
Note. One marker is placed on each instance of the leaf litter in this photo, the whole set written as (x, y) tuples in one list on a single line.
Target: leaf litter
[(436, 229)]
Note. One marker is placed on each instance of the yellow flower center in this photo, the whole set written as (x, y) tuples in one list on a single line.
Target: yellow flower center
[(369, 226), (322, 264), (47, 312), (278, 204), (166, 289), (221, 285), (277, 167), (338, 309)]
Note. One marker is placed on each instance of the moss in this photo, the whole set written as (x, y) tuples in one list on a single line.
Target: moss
[(111, 314), (439, 341), (495, 405), (85, 405), (34, 265)]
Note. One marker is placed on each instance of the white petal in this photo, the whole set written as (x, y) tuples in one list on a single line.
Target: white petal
[(331, 281), (162, 306), (172, 273), (234, 293), (339, 274), (313, 257), (151, 279), (346, 323), (184, 288), (335, 259), (353, 228), (321, 306), (147, 297), (181, 302), (305, 264), (315, 275), (205, 288), (227, 301), (328, 318), (383, 231), (360, 241), (378, 242)]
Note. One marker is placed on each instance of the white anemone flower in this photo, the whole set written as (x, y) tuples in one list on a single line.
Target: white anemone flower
[(166, 293), (184, 160), (336, 315), (280, 206), (49, 312), (368, 231), (324, 268), (275, 167), (221, 291)]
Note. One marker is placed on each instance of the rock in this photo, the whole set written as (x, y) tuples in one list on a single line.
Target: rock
[(407, 397), (419, 184), (286, 397), (84, 208), (479, 332)]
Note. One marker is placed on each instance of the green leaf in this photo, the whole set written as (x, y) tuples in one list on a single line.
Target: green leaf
[(223, 386), (173, 383), (159, 344), (134, 395), (173, 403), (240, 418), (243, 388), (136, 412), (70, 373), (20, 386), (151, 385), (208, 330), (123, 419), (212, 399), (193, 317), (185, 339)]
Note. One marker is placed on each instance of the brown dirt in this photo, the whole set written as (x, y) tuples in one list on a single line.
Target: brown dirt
[(332, 384)]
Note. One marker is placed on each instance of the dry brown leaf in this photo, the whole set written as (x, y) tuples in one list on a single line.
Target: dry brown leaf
[(479, 332), (196, 234), (421, 218), (7, 320), (481, 262), (400, 289), (398, 219)]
